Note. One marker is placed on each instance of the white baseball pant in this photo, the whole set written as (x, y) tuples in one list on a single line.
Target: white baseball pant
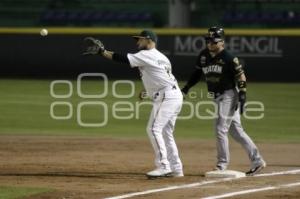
[(166, 106)]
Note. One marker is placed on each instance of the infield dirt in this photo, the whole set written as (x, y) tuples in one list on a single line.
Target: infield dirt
[(77, 167)]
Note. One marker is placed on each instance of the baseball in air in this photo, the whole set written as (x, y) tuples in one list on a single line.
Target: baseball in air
[(44, 32)]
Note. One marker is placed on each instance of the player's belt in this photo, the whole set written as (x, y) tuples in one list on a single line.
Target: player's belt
[(217, 94), (161, 92), (173, 87)]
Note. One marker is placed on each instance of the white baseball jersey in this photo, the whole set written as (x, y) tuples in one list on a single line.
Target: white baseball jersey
[(157, 77), (155, 69)]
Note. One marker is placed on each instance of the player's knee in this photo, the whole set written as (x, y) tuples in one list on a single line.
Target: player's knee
[(154, 131), (222, 130), (149, 130)]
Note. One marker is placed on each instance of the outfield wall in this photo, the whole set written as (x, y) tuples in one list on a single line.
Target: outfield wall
[(268, 55)]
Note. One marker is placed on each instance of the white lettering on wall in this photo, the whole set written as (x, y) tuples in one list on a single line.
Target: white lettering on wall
[(242, 46)]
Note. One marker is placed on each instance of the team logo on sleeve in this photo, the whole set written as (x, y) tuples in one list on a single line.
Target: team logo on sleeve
[(236, 61)]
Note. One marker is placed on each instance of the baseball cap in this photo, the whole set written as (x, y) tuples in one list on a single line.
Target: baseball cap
[(147, 34)]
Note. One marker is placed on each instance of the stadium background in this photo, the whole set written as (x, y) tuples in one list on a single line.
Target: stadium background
[(264, 33)]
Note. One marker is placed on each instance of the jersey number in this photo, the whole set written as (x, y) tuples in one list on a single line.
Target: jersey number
[(168, 70)]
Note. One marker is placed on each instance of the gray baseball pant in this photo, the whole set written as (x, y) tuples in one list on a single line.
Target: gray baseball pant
[(229, 121)]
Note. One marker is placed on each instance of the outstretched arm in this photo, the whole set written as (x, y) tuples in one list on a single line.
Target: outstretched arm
[(194, 79), (108, 54), (95, 46), (118, 57)]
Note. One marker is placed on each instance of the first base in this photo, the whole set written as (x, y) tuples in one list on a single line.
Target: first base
[(225, 174)]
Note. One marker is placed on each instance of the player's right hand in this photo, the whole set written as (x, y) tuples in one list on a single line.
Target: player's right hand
[(185, 90), (94, 46), (242, 100)]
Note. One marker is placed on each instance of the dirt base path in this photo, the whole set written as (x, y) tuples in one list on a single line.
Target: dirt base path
[(93, 167)]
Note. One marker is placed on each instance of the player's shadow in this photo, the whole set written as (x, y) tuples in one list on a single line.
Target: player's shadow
[(100, 175)]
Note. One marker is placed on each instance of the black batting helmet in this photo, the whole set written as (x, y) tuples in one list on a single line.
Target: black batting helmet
[(215, 34)]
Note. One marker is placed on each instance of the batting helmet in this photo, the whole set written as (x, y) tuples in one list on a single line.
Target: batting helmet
[(215, 34)]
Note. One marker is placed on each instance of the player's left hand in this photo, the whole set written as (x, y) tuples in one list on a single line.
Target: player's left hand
[(185, 90), (94, 47), (142, 95), (242, 100)]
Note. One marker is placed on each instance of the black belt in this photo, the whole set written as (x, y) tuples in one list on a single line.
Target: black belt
[(215, 94)]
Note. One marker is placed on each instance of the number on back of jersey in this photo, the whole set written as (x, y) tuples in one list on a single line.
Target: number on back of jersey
[(167, 67)]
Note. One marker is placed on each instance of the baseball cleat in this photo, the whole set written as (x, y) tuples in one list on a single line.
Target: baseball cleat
[(177, 174), (159, 173), (219, 168), (256, 170)]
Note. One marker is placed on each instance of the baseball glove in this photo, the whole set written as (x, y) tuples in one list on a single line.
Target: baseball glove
[(94, 46)]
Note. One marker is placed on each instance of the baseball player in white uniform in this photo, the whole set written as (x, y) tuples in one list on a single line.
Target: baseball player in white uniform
[(161, 86)]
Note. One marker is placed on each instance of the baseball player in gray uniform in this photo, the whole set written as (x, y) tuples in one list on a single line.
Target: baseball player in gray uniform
[(226, 80), (161, 86)]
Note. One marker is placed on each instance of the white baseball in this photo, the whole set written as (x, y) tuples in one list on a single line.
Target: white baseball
[(44, 32)]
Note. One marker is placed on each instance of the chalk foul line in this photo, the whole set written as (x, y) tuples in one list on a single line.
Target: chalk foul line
[(197, 184), (237, 193)]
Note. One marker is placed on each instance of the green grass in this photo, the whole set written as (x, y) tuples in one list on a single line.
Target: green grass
[(25, 110), (18, 192)]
